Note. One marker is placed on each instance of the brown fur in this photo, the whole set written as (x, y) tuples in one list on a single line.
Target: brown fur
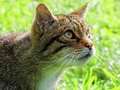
[(23, 56)]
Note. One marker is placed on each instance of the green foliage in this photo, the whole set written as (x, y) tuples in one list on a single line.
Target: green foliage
[(103, 70)]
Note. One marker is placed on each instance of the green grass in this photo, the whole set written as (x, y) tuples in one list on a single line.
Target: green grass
[(102, 72)]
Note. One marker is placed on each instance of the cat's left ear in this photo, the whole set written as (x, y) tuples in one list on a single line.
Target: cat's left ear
[(82, 12), (44, 15)]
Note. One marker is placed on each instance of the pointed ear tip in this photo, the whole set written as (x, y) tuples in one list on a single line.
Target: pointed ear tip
[(87, 4), (41, 5)]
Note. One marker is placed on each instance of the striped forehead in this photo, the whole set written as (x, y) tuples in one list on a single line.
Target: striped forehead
[(76, 23)]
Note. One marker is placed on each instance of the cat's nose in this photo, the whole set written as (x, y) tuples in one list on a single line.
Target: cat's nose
[(89, 45)]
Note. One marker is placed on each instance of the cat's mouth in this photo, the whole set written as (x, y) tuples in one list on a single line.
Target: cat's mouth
[(79, 61), (79, 58), (88, 55)]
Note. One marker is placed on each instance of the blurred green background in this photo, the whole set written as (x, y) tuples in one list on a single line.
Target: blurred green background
[(102, 72)]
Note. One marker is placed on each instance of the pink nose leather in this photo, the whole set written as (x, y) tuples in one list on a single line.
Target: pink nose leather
[(87, 43)]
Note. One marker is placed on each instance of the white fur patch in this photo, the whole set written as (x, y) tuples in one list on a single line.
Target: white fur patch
[(49, 79)]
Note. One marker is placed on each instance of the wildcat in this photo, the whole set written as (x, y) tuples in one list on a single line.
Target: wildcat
[(36, 59)]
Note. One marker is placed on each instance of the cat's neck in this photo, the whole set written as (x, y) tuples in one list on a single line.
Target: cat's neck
[(49, 78), (46, 74)]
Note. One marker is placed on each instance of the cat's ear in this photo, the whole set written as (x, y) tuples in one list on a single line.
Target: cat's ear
[(82, 12), (43, 14)]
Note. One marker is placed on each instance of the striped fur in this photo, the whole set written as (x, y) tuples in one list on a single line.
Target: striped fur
[(35, 60)]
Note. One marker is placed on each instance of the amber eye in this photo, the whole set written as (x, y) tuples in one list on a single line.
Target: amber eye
[(69, 34)]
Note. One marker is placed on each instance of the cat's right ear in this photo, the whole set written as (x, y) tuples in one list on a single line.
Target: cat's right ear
[(44, 15), (83, 11)]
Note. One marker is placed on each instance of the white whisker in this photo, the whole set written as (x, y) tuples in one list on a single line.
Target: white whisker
[(103, 63), (107, 60)]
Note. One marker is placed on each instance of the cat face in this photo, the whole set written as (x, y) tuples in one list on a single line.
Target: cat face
[(63, 38), (77, 38)]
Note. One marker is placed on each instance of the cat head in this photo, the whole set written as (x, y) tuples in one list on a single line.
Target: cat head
[(64, 38)]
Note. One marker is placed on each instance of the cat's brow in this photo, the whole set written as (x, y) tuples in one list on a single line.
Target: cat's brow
[(81, 26), (78, 23)]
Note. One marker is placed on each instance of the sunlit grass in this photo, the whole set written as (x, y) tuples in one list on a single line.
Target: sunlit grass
[(103, 71)]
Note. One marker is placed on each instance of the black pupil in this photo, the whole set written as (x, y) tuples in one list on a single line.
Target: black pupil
[(69, 33)]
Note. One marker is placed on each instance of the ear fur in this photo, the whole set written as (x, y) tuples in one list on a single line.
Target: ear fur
[(82, 12), (43, 14)]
